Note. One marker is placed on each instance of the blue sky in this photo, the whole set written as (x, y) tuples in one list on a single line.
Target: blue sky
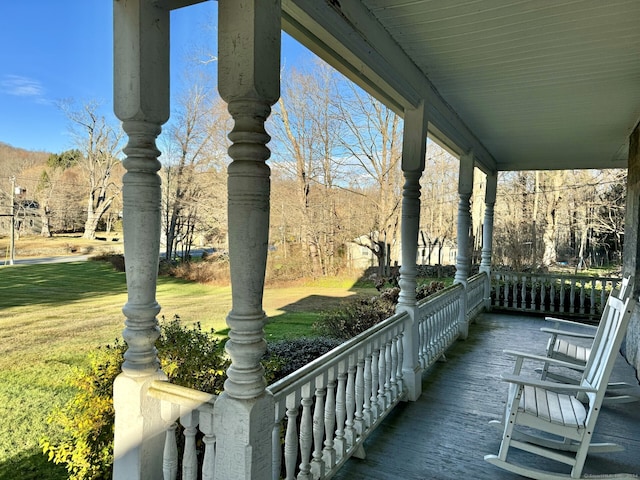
[(53, 50)]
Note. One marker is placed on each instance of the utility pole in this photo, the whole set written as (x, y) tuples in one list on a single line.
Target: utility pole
[(12, 242)]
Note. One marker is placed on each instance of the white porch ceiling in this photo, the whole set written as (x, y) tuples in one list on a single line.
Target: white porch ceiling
[(525, 84)]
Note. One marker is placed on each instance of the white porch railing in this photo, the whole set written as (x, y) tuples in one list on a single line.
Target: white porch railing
[(324, 411), (339, 399), (193, 410), (478, 289), (551, 293), (438, 317)]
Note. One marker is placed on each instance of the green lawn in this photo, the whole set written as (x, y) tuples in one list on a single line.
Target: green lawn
[(51, 316)]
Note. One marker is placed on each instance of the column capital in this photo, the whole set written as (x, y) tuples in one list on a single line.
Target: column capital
[(414, 140), (492, 187), (141, 60), (249, 34), (465, 176)]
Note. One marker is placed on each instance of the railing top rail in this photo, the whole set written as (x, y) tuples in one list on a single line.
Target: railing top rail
[(476, 277), (558, 276), (179, 395), (333, 357), (451, 289)]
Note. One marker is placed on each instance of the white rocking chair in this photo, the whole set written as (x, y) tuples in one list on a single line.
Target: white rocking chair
[(560, 347), (558, 425)]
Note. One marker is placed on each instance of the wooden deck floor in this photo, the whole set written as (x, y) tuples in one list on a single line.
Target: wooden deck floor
[(445, 434)]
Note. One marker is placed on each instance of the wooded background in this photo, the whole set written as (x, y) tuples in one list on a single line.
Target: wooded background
[(336, 186)]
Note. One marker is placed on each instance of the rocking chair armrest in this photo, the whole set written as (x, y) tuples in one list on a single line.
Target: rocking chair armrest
[(536, 382), (570, 323), (566, 333), (542, 358)]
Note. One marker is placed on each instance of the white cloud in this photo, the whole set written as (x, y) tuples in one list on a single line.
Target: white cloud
[(21, 86)]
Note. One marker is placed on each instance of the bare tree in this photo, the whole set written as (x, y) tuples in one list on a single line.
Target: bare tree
[(373, 144), (50, 185), (193, 178), (307, 131), (439, 202), (100, 145)]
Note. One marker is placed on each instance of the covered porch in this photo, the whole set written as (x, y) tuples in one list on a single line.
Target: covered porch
[(501, 86), (445, 433)]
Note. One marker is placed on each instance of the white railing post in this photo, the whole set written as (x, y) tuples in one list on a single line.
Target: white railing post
[(463, 260), (249, 34), (141, 102), (413, 155)]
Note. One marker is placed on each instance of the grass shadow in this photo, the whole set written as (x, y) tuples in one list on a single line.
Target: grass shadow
[(31, 465), (58, 283)]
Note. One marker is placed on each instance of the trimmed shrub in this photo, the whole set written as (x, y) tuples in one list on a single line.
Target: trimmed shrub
[(115, 259), (354, 318), (360, 315), (189, 357), (423, 291), (287, 356)]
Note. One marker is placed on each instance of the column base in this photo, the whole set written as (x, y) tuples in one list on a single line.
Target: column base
[(243, 437), (139, 429), (412, 380)]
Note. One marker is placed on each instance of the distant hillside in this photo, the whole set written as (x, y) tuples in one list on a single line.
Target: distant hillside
[(15, 160)]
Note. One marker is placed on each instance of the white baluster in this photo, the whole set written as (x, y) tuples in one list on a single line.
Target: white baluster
[(393, 383), (382, 375), (422, 346), (350, 397), (209, 440), (317, 464), (170, 455), (189, 458), (400, 366), (375, 409), (329, 451), (389, 373), (359, 415), (291, 440), (306, 435), (367, 414), (341, 414), (572, 295)]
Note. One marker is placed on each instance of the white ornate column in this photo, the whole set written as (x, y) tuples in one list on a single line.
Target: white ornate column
[(248, 80), (141, 101), (463, 260), (414, 144), (465, 188), (487, 233)]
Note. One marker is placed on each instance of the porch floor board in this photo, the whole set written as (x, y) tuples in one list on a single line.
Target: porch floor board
[(445, 434)]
